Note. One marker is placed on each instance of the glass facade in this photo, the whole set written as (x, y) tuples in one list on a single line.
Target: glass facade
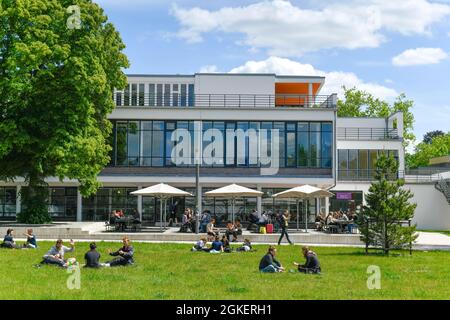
[(359, 164), (272, 206), (7, 202), (149, 143), (62, 204), (100, 205)]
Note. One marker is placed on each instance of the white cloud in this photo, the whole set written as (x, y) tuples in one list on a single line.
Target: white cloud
[(333, 80), (209, 69), (288, 30), (419, 56)]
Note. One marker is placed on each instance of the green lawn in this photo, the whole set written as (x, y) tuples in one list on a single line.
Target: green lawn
[(171, 271)]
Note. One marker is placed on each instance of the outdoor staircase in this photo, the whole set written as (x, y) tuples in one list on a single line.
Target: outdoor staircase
[(443, 185)]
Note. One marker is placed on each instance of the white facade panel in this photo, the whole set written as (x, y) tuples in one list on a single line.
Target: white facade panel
[(248, 114), (234, 84), (432, 212), (361, 123)]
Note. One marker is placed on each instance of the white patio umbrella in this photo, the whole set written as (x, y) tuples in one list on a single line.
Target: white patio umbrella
[(305, 192), (163, 192), (232, 192)]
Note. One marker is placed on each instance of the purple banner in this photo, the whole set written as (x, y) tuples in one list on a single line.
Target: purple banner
[(343, 195)]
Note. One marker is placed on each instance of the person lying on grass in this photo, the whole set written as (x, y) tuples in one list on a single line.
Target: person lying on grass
[(246, 246), (124, 255), (312, 264), (31, 239), (269, 263), (200, 245), (8, 240), (56, 254), (92, 257)]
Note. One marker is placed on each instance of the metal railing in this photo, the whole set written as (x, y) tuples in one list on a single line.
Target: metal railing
[(124, 99), (409, 175), (367, 134)]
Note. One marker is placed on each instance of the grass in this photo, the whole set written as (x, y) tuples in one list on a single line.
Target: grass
[(171, 271)]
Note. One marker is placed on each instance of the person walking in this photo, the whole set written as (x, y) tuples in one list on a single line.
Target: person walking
[(284, 222)]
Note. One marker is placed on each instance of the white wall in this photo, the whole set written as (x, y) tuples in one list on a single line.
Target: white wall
[(361, 123), (432, 212), (234, 84)]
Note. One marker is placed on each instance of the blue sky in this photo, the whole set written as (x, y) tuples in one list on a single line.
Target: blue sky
[(386, 47)]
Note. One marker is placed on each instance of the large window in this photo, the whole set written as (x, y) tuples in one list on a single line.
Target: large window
[(7, 202), (99, 206), (301, 144), (62, 203), (360, 164)]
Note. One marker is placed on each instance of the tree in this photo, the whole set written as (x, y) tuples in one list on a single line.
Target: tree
[(59, 63), (439, 147), (387, 205), (358, 103), (428, 137)]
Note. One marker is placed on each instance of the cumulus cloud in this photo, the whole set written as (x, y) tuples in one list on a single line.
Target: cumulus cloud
[(285, 29), (334, 80), (419, 56)]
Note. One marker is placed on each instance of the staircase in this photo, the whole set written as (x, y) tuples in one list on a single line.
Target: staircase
[(443, 185)]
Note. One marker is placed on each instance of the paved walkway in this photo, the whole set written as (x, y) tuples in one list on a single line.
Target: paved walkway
[(94, 231)]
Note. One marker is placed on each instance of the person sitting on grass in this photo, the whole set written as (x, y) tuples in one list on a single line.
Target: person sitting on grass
[(226, 244), (56, 254), (312, 264), (246, 246), (31, 239), (124, 255), (216, 246), (8, 240), (92, 257), (211, 231), (269, 264), (200, 245)]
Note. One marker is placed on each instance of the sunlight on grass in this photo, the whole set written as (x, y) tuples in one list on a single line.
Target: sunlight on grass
[(171, 271)]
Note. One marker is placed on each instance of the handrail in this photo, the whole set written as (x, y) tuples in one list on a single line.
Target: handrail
[(367, 134), (134, 99), (411, 176)]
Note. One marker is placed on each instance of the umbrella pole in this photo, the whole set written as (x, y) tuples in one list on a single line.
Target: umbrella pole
[(160, 213), (298, 215), (165, 213), (232, 211), (306, 215)]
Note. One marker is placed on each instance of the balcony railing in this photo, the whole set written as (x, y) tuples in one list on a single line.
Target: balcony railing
[(409, 175), (224, 100), (367, 134)]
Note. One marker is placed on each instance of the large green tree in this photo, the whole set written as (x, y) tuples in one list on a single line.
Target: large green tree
[(424, 151), (388, 203), (359, 103), (58, 70)]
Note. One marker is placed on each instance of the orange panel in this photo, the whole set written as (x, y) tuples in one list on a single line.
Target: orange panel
[(293, 89)]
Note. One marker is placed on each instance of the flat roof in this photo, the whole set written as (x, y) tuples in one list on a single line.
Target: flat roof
[(287, 77)]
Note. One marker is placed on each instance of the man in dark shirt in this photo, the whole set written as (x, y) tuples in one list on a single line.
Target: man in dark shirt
[(92, 257), (269, 263), (124, 255), (312, 264)]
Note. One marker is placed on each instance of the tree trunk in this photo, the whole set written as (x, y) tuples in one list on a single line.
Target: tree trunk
[(34, 201)]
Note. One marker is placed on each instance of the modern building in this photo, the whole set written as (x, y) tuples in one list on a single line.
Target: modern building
[(263, 131)]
